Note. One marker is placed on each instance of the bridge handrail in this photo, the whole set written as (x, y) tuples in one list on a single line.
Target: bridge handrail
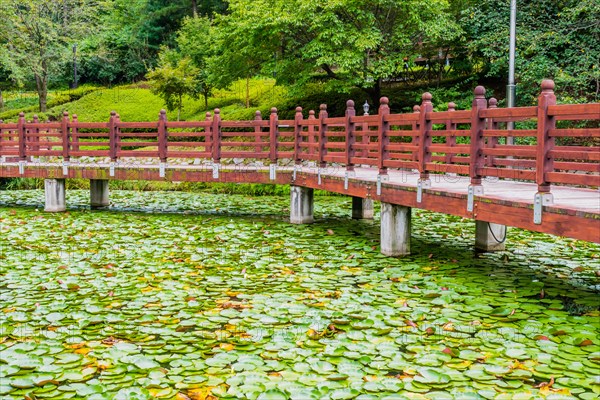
[(472, 142)]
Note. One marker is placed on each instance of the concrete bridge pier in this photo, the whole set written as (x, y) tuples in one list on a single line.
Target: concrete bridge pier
[(99, 193), (490, 236), (362, 208), (395, 229), (54, 190), (301, 205)]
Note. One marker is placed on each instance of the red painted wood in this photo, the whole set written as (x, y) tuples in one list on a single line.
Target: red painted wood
[(22, 140), (162, 136), (350, 138), (322, 140), (425, 127), (216, 136), (112, 132), (382, 134), (273, 135), (477, 126), (545, 143), (65, 132)]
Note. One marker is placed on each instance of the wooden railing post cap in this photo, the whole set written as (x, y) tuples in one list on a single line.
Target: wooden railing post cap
[(74, 116), (426, 97), (323, 107), (162, 114), (451, 106), (311, 113), (417, 108), (273, 110), (207, 115), (350, 104), (257, 114), (547, 85), (217, 111), (479, 92), (113, 113), (493, 102), (21, 114), (65, 114), (384, 102)]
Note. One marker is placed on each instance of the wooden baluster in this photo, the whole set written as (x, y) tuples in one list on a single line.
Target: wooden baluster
[(322, 138), (22, 138), (298, 135), (118, 138), (415, 138), (112, 137), (216, 136), (366, 138), (273, 135), (545, 143), (258, 131), (162, 136), (74, 132), (383, 138), (477, 142), (350, 135), (311, 133), (207, 133), (492, 141), (36, 134), (425, 127), (65, 133), (451, 138)]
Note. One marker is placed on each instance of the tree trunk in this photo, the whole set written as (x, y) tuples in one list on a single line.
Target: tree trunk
[(41, 83), (195, 8), (374, 94)]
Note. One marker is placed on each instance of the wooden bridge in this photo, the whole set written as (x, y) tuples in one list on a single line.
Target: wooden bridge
[(456, 162)]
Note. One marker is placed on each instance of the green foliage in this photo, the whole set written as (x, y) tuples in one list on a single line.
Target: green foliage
[(557, 40), (171, 81)]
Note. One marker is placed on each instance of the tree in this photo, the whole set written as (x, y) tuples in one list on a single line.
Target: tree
[(39, 35), (194, 41), (173, 79), (555, 39), (349, 43)]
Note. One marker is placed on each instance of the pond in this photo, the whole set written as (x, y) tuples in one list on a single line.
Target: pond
[(198, 296)]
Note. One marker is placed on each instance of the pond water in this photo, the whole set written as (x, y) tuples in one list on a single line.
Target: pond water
[(198, 296)]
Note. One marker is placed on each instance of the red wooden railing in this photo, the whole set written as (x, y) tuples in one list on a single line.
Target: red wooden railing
[(466, 142)]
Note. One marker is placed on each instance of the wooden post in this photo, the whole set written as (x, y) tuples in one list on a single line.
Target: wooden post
[(450, 139), (350, 135), (216, 136), (74, 132), (297, 135), (22, 138), (258, 131), (382, 134), (424, 138), (322, 138), (162, 136), (311, 133), (477, 127), (64, 127), (545, 143), (273, 135), (492, 141), (112, 136)]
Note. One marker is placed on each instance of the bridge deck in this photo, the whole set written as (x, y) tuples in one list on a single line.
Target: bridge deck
[(575, 212)]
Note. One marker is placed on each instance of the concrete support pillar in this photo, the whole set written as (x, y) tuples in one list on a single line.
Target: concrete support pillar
[(302, 205), (489, 236), (99, 193), (395, 229), (362, 208), (55, 195)]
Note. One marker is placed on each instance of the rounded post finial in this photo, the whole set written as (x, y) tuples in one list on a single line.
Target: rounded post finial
[(65, 113), (323, 107), (350, 104), (298, 109), (311, 113), (217, 111), (493, 102), (273, 110), (74, 116), (426, 97), (257, 114), (163, 111), (384, 101), (547, 85), (113, 113), (207, 115), (451, 106), (417, 108), (21, 114), (479, 92)]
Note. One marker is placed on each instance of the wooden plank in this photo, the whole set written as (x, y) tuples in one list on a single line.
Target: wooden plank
[(573, 179)]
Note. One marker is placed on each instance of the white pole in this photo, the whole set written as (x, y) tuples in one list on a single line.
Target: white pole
[(510, 88)]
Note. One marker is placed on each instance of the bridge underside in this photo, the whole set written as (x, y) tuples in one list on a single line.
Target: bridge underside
[(575, 212)]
